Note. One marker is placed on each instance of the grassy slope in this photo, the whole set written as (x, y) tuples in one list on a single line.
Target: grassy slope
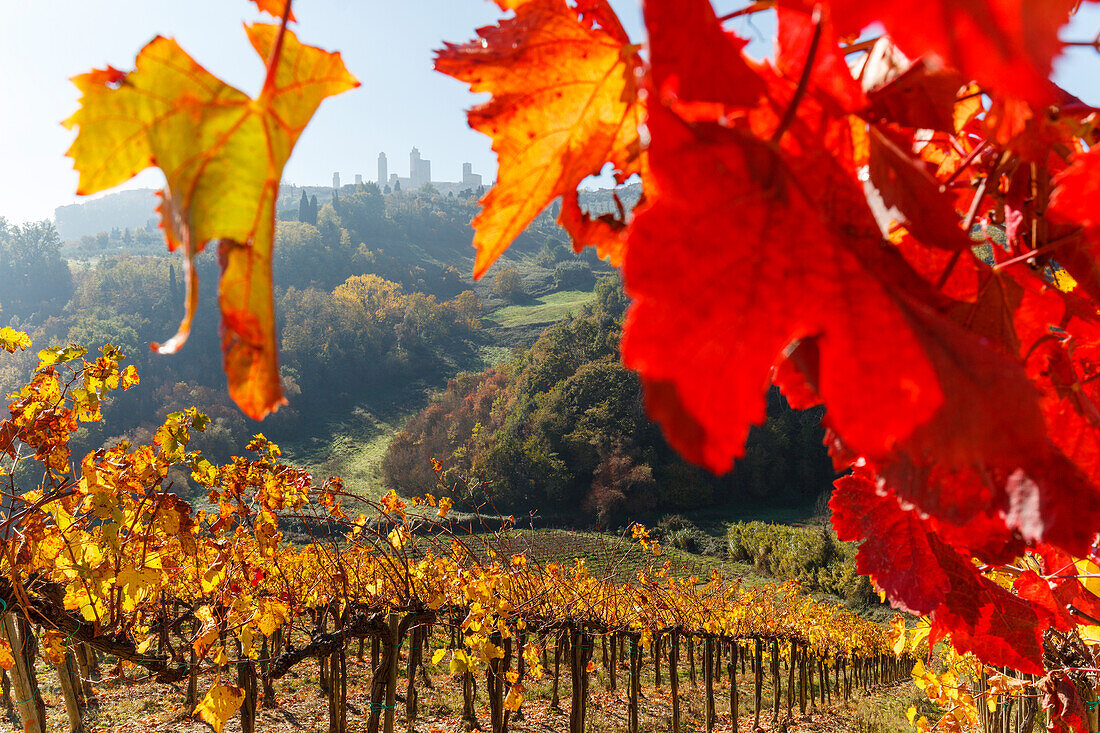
[(542, 311), (352, 447)]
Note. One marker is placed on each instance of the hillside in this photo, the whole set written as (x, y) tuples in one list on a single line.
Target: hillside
[(374, 303), (560, 430)]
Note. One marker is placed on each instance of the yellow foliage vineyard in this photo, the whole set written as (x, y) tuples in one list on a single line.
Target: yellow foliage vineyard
[(101, 551)]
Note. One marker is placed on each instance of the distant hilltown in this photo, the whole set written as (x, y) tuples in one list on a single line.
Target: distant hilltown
[(420, 173), (137, 208)]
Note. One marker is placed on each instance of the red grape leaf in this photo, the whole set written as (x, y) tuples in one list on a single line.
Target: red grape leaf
[(1029, 586), (703, 267), (912, 196), (1006, 45), (1068, 588), (829, 77), (564, 104), (895, 553), (984, 618), (1073, 203), (1063, 703), (921, 96), (222, 154)]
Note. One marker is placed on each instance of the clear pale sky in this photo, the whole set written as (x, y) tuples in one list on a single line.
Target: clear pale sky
[(387, 44)]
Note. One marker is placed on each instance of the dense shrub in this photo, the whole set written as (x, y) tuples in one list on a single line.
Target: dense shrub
[(574, 275), (675, 531), (811, 555)]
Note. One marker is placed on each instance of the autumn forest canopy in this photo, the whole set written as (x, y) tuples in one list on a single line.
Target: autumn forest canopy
[(864, 269)]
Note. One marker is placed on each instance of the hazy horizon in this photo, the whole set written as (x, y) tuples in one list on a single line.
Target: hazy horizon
[(402, 102)]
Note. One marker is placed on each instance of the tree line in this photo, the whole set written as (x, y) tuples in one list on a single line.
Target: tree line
[(562, 426)]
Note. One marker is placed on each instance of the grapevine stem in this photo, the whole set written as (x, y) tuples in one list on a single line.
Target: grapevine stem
[(861, 46), (756, 7), (978, 149), (277, 51), (804, 81)]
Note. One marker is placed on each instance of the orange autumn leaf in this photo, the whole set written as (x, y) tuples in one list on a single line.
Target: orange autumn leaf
[(565, 103), (276, 8), (222, 154)]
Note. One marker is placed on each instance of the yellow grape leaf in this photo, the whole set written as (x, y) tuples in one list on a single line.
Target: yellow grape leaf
[(1090, 573), (137, 584), (248, 642), (222, 154), (11, 340), (514, 699), (445, 504), (490, 651), (460, 663), (438, 656), (53, 647), (219, 705), (565, 103), (272, 615), (7, 661)]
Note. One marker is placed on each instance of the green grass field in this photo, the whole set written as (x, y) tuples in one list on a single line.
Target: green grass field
[(542, 311), (353, 455)]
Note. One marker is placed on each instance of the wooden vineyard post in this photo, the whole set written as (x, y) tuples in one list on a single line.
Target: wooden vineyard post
[(822, 681), (521, 674), (322, 659), (391, 672), (776, 677), (338, 690), (674, 677), (559, 643), (416, 648), (469, 714), (84, 667), (657, 659), (425, 651), (65, 676), (29, 639), (581, 654), (494, 684), (708, 683), (792, 654), (612, 667), (635, 684), (21, 685), (801, 661), (691, 659), (246, 680), (808, 663), (758, 681), (191, 700), (603, 653), (268, 651), (718, 661), (735, 649)]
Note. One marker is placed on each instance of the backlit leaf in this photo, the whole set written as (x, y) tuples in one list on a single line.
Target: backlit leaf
[(222, 154), (11, 340), (219, 705), (564, 104)]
